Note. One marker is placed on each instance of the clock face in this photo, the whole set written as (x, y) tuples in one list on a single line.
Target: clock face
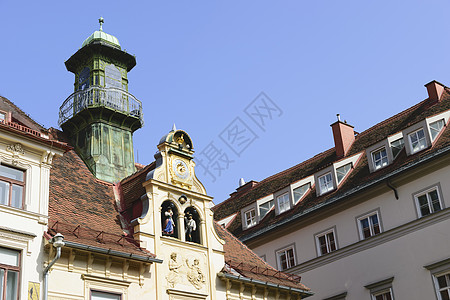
[(180, 169)]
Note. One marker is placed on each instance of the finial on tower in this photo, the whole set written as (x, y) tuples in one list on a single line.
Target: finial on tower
[(101, 21), (174, 128)]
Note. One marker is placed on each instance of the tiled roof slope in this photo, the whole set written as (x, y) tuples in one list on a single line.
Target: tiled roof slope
[(83, 208), (18, 115), (245, 262), (356, 178)]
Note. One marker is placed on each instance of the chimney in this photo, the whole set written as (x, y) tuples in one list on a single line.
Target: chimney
[(435, 90), (343, 136)]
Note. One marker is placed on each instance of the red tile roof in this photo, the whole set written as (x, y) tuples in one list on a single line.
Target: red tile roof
[(246, 263), (359, 176), (83, 208)]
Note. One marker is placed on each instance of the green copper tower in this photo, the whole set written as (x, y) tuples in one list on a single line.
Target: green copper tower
[(101, 116)]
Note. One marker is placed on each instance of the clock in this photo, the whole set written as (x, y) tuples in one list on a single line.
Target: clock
[(180, 168)]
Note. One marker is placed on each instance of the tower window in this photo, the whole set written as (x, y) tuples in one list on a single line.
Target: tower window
[(192, 225), (169, 219)]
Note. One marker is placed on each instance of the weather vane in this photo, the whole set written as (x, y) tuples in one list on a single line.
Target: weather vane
[(101, 21)]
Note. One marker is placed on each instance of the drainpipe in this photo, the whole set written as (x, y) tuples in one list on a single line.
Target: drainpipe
[(58, 243)]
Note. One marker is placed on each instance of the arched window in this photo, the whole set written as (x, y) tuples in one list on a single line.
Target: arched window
[(169, 219), (192, 225)]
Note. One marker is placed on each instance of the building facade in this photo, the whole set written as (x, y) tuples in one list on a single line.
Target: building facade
[(81, 220), (367, 219)]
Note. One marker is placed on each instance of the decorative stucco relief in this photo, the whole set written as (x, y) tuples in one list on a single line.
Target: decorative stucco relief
[(182, 269)]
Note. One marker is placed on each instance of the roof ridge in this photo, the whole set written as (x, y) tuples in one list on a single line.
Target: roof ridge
[(20, 111)]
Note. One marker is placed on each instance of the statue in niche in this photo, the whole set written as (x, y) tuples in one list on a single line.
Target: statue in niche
[(174, 266), (195, 274), (191, 226), (169, 225)]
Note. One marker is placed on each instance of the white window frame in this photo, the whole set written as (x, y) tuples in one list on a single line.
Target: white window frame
[(326, 186), (261, 215), (384, 159), (285, 205), (328, 243), (117, 296), (427, 192), (423, 145), (371, 225), (437, 132), (250, 219), (439, 269), (383, 293), (285, 251)]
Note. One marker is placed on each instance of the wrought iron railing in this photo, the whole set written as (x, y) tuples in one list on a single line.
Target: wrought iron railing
[(96, 96)]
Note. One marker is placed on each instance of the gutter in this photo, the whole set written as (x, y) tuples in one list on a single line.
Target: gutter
[(264, 283), (350, 192), (113, 252)]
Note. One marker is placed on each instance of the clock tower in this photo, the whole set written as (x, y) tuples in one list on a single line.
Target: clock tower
[(101, 115)]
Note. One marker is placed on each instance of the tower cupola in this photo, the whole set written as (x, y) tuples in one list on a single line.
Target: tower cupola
[(100, 116)]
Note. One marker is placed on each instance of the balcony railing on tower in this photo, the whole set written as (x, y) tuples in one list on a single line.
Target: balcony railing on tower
[(97, 97)]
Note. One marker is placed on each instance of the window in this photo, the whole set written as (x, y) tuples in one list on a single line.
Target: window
[(301, 191), (383, 295), (428, 202), (325, 183), (436, 127), (2, 117), (283, 203), (417, 140), (379, 158), (381, 290), (250, 218), (397, 146), (326, 242), (9, 273), (12, 184), (286, 258), (443, 286), (342, 171), (265, 208), (96, 295), (369, 225)]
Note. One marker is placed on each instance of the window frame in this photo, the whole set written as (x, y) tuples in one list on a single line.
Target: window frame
[(12, 182), (325, 233), (426, 191), (253, 220), (104, 292), (438, 269), (382, 293), (374, 161), (367, 216), (425, 146), (381, 287), (288, 202), (433, 138), (271, 206), (278, 254), (14, 269), (329, 189)]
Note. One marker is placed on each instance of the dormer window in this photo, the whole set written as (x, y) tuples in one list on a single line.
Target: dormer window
[(250, 218), (283, 203), (435, 128), (342, 171), (300, 192), (326, 183), (380, 158), (417, 140), (265, 208), (397, 146)]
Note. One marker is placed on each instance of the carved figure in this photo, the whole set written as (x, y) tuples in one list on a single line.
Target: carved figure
[(191, 226), (174, 266), (195, 274), (169, 225)]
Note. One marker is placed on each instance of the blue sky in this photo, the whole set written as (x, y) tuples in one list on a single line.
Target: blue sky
[(200, 64)]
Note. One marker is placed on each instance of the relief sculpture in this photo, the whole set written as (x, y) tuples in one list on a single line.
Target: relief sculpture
[(174, 270)]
